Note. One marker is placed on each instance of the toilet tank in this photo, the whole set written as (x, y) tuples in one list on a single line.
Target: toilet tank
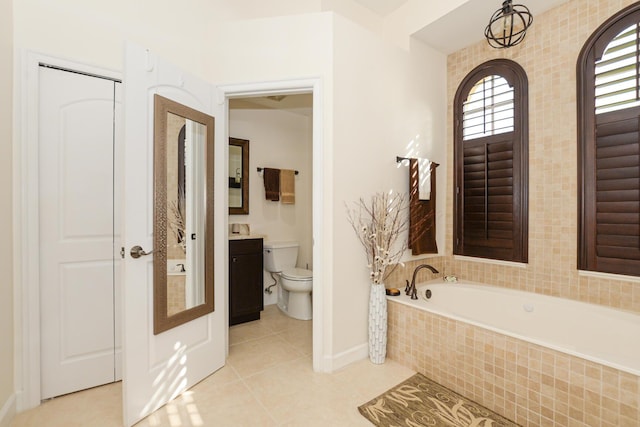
[(279, 256)]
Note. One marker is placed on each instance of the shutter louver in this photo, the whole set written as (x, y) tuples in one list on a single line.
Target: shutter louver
[(617, 73), (488, 227), (617, 192)]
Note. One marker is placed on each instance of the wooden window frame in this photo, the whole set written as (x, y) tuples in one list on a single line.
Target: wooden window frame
[(592, 50), (517, 78)]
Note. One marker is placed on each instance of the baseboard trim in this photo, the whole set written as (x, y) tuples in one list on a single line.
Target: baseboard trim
[(8, 411), (347, 357)]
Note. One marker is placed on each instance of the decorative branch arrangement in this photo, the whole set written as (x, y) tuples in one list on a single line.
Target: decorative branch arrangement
[(177, 222), (378, 224)]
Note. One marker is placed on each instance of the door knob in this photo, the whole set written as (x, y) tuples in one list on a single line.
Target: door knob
[(137, 252)]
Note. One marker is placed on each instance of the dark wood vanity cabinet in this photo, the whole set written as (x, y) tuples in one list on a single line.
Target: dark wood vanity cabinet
[(245, 280)]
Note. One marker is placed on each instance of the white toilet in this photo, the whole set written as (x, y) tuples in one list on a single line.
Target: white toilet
[(294, 292)]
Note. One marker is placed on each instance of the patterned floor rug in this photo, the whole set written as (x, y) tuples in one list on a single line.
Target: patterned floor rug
[(419, 402)]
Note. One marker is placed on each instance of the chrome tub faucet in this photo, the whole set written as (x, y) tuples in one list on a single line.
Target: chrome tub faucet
[(410, 289)]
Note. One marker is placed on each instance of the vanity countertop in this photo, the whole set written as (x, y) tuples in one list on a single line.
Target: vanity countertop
[(246, 236)]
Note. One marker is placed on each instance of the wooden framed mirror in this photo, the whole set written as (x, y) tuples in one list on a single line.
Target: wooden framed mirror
[(238, 176), (183, 280)]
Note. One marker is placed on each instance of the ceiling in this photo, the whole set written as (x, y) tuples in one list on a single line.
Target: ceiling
[(297, 104), (462, 26), (382, 7)]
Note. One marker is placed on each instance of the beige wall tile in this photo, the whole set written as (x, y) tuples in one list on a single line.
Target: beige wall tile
[(549, 56), (531, 385)]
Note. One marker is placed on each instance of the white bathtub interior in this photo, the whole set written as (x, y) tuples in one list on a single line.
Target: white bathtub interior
[(592, 332)]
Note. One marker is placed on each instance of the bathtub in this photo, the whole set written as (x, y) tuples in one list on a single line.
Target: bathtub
[(603, 335), (536, 359)]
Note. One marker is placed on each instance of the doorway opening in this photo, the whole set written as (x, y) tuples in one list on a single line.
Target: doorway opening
[(301, 97), (277, 133)]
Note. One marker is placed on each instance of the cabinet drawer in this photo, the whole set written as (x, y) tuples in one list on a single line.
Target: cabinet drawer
[(245, 246)]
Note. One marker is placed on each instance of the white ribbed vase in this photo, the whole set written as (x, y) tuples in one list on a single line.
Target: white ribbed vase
[(377, 323)]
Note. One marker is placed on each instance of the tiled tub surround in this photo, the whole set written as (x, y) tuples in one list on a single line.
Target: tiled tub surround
[(548, 55), (524, 381), (527, 382)]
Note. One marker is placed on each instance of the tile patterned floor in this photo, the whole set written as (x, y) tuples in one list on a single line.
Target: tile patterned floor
[(268, 381)]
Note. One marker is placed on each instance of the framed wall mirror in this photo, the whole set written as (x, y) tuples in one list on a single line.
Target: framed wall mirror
[(183, 281), (238, 176)]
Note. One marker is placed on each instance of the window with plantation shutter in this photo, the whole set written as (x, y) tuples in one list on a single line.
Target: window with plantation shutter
[(491, 163), (608, 75)]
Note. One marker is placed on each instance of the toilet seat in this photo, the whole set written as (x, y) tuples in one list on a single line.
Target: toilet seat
[(297, 274)]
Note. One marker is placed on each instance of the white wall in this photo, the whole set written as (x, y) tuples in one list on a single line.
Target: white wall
[(416, 14), (94, 32), (385, 97), (277, 139), (357, 13), (280, 48), (6, 244), (286, 48), (387, 101)]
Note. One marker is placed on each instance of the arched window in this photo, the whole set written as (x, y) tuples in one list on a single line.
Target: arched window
[(608, 75), (491, 163)]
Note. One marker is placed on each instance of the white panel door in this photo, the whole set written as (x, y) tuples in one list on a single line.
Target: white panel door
[(80, 345), (157, 368)]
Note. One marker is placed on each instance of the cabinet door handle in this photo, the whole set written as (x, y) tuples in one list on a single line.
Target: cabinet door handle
[(234, 259)]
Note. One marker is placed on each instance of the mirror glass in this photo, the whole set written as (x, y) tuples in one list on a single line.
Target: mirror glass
[(183, 214), (238, 176)]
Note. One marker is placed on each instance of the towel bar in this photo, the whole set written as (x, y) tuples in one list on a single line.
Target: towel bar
[(400, 159), (260, 170)]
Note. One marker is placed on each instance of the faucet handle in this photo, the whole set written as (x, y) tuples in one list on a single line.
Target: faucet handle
[(407, 288)]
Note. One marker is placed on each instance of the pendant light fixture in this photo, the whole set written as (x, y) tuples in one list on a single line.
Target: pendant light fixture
[(508, 25)]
